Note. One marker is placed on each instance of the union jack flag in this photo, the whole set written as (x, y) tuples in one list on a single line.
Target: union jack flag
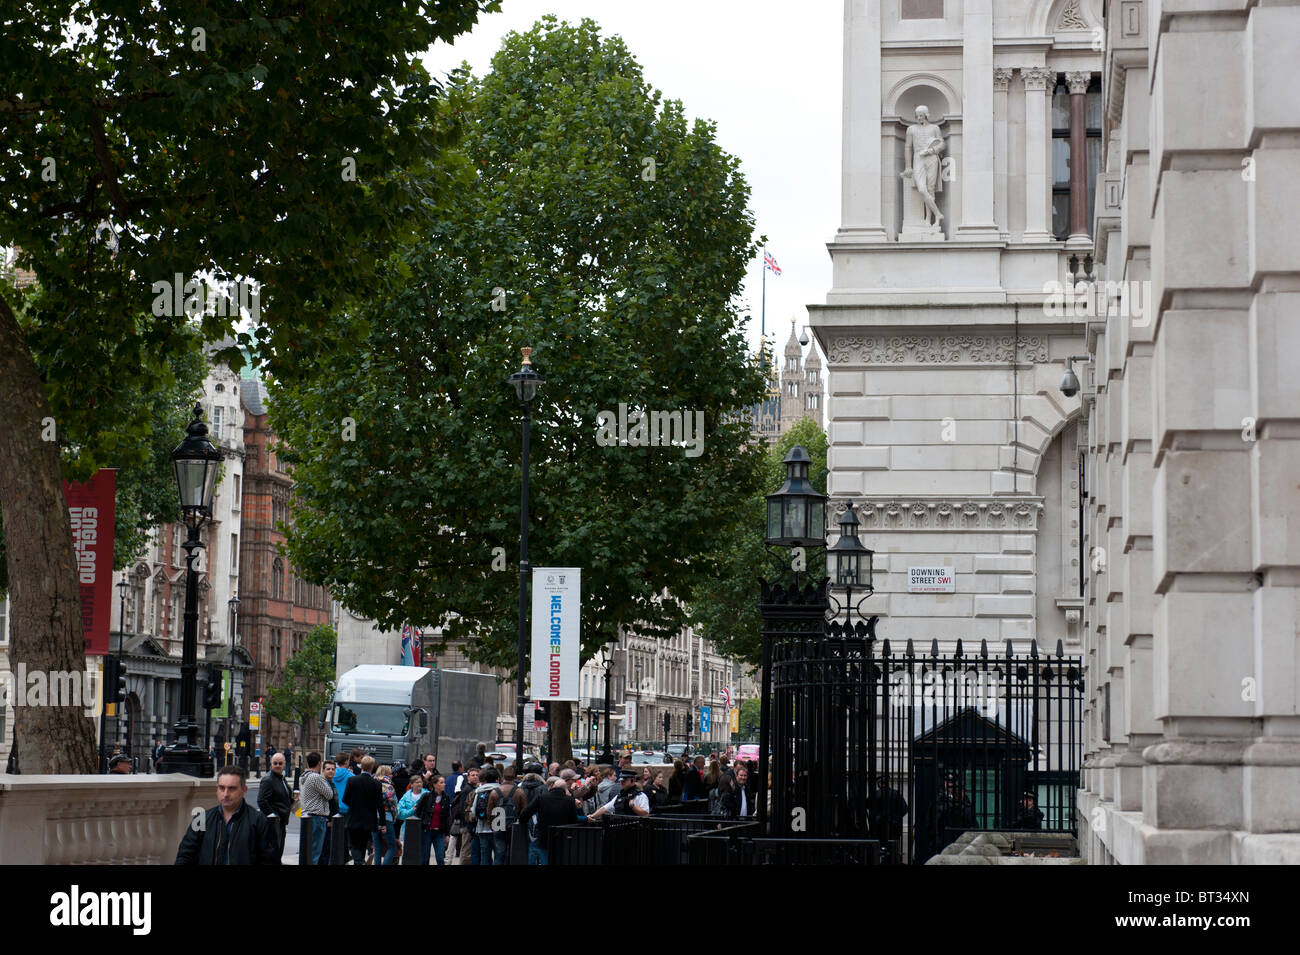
[(770, 263), (410, 646)]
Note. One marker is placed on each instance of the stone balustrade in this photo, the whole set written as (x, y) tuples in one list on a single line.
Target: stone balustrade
[(97, 820)]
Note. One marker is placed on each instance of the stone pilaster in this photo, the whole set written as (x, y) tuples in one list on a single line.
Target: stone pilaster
[(1037, 153)]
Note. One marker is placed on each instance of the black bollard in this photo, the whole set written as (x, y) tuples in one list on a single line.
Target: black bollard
[(411, 836), (338, 840), (305, 831)]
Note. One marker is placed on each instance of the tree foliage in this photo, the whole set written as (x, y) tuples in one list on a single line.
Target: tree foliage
[(621, 274), (142, 142), (725, 603), (307, 683)]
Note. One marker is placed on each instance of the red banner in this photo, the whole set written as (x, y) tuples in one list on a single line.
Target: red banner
[(92, 507)]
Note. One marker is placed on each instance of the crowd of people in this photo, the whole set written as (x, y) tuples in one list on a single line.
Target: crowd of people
[(467, 817)]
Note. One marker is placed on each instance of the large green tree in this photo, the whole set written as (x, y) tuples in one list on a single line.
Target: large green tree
[(597, 225), (284, 143), (307, 683), (724, 603)]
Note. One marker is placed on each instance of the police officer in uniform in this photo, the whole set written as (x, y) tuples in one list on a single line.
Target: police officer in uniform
[(630, 800)]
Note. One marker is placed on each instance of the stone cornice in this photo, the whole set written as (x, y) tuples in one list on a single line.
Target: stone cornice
[(964, 513), (935, 349)]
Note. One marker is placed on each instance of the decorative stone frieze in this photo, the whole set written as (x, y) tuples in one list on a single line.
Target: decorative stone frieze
[(946, 514), (936, 349)]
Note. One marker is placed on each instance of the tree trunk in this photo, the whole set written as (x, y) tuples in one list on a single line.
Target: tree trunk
[(44, 596), (561, 722)]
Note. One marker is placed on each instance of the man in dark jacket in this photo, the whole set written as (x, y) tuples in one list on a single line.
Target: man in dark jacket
[(886, 810), (274, 798), (232, 833), (693, 787), (365, 799), (555, 807)]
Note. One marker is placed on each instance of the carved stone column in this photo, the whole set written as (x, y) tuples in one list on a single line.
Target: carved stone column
[(1037, 145), (1079, 225)]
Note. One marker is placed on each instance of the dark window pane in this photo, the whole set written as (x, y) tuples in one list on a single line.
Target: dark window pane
[(1092, 110), (1061, 215), (1094, 170), (1060, 162), (1061, 107)]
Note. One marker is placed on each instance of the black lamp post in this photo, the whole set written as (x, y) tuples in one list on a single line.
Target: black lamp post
[(606, 753), (851, 563), (796, 517), (233, 604), (526, 381), (195, 461)]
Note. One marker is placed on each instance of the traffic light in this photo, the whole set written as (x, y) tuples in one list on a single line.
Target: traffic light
[(542, 711), (114, 680), (668, 723), (688, 724), (212, 692)]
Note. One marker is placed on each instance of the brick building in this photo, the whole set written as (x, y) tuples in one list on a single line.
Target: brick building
[(276, 609)]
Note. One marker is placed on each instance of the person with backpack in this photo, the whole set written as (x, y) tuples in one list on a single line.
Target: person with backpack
[(480, 821), (462, 827), (512, 800), (534, 787)]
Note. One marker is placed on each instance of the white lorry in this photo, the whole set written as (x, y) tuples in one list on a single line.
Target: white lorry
[(401, 713)]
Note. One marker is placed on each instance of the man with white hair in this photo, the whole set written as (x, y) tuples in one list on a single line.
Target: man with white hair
[(274, 798)]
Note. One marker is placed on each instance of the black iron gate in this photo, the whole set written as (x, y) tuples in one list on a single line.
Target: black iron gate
[(913, 750)]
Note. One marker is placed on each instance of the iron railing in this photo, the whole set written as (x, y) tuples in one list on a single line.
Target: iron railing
[(912, 749)]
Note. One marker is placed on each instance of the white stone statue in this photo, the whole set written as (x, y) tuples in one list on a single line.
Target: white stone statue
[(923, 152)]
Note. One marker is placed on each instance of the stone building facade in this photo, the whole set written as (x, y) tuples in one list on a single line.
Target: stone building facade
[(276, 608), (948, 431), (1192, 622)]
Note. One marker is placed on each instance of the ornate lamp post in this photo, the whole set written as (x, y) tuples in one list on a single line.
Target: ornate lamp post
[(526, 381), (851, 564), (195, 461), (796, 518)]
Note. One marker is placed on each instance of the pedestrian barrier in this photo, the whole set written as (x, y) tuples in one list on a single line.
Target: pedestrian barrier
[(740, 845), (611, 840)]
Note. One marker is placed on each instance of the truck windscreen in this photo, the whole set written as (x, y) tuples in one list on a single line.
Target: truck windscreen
[(381, 719)]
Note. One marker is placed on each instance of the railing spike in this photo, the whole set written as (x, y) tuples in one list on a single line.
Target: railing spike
[(1060, 650), (911, 652), (934, 648), (984, 648)]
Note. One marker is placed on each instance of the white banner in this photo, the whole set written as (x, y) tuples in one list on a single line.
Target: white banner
[(557, 600)]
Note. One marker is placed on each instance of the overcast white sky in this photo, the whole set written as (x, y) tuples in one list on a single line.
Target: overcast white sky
[(768, 74)]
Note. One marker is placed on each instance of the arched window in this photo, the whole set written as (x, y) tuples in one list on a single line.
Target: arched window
[(277, 579)]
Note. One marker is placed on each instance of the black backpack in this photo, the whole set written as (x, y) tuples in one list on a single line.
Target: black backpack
[(480, 805)]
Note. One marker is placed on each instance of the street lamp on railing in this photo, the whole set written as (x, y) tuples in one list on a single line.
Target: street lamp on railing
[(196, 462), (851, 564)]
